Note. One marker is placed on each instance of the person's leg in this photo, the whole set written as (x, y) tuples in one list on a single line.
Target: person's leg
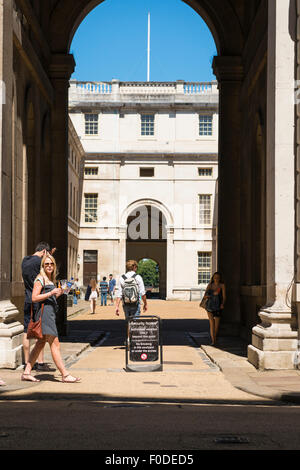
[(26, 348), (94, 305), (39, 345), (217, 324), (26, 342), (91, 305), (105, 299), (56, 355), (138, 310), (211, 327)]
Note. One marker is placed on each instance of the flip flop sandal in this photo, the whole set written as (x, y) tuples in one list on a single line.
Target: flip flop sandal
[(76, 379)]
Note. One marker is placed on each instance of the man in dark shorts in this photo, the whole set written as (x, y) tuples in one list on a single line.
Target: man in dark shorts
[(31, 266)]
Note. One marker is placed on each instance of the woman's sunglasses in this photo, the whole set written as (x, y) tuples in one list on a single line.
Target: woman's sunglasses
[(49, 264)]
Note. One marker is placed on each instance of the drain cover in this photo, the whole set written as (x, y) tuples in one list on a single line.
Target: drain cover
[(231, 440)]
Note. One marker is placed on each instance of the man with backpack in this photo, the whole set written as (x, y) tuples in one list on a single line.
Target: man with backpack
[(104, 291), (131, 289)]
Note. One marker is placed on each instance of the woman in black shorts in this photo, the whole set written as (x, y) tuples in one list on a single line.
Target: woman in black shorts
[(216, 297)]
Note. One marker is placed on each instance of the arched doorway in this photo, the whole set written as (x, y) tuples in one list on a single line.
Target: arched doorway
[(147, 239)]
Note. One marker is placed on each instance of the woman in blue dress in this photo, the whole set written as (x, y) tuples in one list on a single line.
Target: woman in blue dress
[(215, 296), (45, 292)]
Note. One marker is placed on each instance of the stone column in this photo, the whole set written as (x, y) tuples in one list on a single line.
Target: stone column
[(170, 262), (122, 248), (274, 340), (229, 72), (10, 330), (61, 69)]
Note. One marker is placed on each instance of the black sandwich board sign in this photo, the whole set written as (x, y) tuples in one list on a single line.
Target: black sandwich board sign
[(144, 345)]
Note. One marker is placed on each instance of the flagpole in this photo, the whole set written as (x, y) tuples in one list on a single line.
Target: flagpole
[(148, 67)]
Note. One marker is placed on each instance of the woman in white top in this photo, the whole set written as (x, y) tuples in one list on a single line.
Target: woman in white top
[(94, 295)]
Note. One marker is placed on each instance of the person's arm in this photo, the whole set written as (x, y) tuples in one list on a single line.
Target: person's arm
[(118, 306), (118, 297), (36, 292), (223, 296), (205, 293), (145, 307), (142, 291)]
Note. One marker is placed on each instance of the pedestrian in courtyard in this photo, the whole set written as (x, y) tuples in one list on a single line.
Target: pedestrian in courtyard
[(31, 266), (215, 296), (112, 287), (130, 289), (94, 292), (77, 288), (45, 293), (104, 291)]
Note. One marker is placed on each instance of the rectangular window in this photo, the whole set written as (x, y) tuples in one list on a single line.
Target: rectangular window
[(147, 124), (205, 209), (204, 267), (90, 207), (146, 172), (90, 256), (91, 124), (205, 171), (91, 171), (205, 125)]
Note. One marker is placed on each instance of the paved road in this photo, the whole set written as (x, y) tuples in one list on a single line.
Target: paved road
[(188, 406)]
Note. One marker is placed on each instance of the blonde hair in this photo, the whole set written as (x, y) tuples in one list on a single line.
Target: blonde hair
[(93, 283), (42, 271), (131, 264)]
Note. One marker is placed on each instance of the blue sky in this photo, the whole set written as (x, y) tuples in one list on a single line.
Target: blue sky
[(111, 42)]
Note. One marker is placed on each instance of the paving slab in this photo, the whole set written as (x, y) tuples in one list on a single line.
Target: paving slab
[(193, 370)]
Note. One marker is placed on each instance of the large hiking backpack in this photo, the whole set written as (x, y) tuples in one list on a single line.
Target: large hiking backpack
[(130, 290)]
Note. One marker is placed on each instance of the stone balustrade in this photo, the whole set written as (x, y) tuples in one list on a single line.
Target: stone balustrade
[(116, 87)]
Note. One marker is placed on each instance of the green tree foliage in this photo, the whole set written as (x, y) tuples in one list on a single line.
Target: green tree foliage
[(147, 268)]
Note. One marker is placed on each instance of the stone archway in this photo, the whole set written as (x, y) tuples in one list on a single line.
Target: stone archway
[(147, 238), (225, 24), (247, 35)]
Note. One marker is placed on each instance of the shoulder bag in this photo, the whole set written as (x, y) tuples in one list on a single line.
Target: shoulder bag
[(34, 330)]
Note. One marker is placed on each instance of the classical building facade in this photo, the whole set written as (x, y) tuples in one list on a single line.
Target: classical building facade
[(75, 180), (150, 180), (258, 195)]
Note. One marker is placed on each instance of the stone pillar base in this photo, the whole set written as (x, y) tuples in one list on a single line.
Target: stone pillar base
[(274, 342), (271, 360), (11, 336)]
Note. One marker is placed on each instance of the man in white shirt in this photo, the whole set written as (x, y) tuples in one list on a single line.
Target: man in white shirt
[(131, 309)]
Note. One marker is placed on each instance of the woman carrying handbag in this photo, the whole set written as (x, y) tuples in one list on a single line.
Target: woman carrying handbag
[(45, 292), (213, 302)]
